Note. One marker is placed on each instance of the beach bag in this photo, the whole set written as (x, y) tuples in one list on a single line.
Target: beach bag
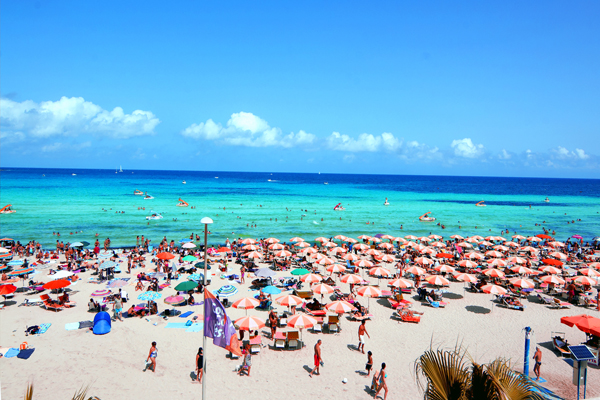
[(23, 346)]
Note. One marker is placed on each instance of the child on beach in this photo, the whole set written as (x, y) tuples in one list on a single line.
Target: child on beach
[(369, 365)]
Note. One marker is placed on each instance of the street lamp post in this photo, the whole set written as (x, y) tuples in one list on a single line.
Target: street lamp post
[(206, 221)]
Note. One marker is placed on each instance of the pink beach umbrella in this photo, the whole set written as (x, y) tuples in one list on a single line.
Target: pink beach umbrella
[(494, 289), (301, 321), (585, 280), (378, 271), (174, 300), (311, 278), (339, 307), (437, 280), (321, 288), (351, 279), (456, 237), (289, 300), (465, 277), (249, 323), (589, 272), (494, 273), (401, 283)]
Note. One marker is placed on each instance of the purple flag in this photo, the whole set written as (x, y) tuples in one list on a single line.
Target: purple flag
[(218, 326)]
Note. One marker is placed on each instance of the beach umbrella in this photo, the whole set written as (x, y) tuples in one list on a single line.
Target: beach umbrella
[(493, 253), (465, 245), (248, 241), (302, 244), (549, 269), (456, 237), (437, 244), (276, 246), (271, 290), (246, 303), (283, 254), (410, 237), (351, 279), (5, 255), (594, 264), (424, 239), (189, 259), (493, 289), (76, 244), (557, 244), (467, 264), (226, 291), (530, 249), (494, 273), (116, 283), (7, 289), (387, 258), (339, 307), (3, 267), (321, 288), (336, 268), (369, 291), (375, 239), (223, 250), (186, 286), (437, 280), (585, 280), (415, 270), (519, 269), (250, 247), (518, 237), (363, 264), (322, 239), (497, 262), (373, 252), (296, 239), (350, 240), (301, 321), (165, 256), (559, 255), (465, 277), (522, 283), (444, 268), (428, 250), (265, 272), (516, 260), (500, 247), (19, 272), (149, 296), (253, 254), (325, 261), (330, 244), (272, 240), (553, 279), (311, 278), (108, 264), (289, 300), (174, 299), (308, 250), (350, 257), (585, 323), (340, 237), (339, 250), (378, 271), (513, 244), (300, 271), (401, 283), (57, 284), (424, 260), (101, 293), (475, 256), (360, 247), (249, 323), (14, 263), (589, 272), (188, 245), (105, 254), (551, 261)]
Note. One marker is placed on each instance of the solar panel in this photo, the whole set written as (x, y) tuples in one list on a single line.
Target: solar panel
[(581, 353)]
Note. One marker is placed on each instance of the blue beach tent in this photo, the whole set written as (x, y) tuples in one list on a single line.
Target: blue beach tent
[(102, 323)]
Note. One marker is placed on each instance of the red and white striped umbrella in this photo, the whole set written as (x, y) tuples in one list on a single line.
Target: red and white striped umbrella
[(557, 244), (375, 240), (363, 237), (339, 250), (301, 321), (437, 244), (339, 307), (521, 270), (311, 278), (322, 239), (246, 303), (518, 237), (336, 268), (325, 261), (350, 240), (471, 240), (401, 283), (477, 237), (500, 247), (534, 239), (493, 253), (553, 279), (437, 280), (350, 257), (351, 278), (289, 300), (513, 244), (276, 246), (467, 264), (272, 240), (410, 237), (321, 288), (594, 264), (415, 270), (373, 252), (466, 245), (494, 273), (428, 250), (309, 250), (465, 277), (283, 254), (340, 237), (387, 237), (330, 244), (254, 254), (385, 245), (364, 264), (530, 249), (424, 239), (559, 255), (302, 244), (497, 262), (399, 240), (424, 260), (522, 283), (475, 256), (493, 289), (248, 241), (549, 269), (360, 247), (456, 237), (387, 258), (585, 280), (369, 291), (379, 271), (589, 272), (435, 237), (486, 243), (444, 268), (516, 260), (249, 323), (296, 239)]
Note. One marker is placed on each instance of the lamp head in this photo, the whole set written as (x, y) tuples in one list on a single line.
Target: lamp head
[(206, 220)]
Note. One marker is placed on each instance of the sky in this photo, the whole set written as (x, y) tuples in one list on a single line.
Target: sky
[(495, 88)]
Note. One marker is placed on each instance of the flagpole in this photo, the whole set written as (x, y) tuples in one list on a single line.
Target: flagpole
[(205, 221)]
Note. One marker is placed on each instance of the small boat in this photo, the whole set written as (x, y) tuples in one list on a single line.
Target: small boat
[(74, 174), (120, 169), (425, 218), (7, 210), (326, 183), (184, 182), (386, 202), (148, 197), (116, 171), (480, 204), (154, 216), (547, 200), (216, 177), (138, 192), (338, 207), (182, 203)]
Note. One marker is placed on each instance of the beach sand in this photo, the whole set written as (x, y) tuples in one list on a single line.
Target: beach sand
[(113, 364)]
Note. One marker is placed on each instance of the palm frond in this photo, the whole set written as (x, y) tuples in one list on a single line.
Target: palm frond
[(29, 392), (446, 374), (510, 385)]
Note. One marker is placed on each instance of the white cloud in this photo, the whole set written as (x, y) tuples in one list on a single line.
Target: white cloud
[(581, 154), (56, 146), (466, 148), (247, 129), (364, 142), (504, 155), (49, 148), (349, 158), (72, 117), (564, 154)]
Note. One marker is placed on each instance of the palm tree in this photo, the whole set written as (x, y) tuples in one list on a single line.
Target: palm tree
[(79, 395), (449, 376)]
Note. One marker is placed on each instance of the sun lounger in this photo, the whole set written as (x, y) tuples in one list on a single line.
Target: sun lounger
[(279, 340), (436, 304), (560, 345), (255, 344), (354, 317), (51, 306), (293, 340), (333, 323), (407, 316), (560, 304), (545, 300), (506, 304)]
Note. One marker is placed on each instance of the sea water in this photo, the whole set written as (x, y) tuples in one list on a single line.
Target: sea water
[(284, 205)]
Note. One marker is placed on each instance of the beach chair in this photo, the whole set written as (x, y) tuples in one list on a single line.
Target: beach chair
[(589, 302), (354, 317), (280, 339), (436, 304), (333, 323), (506, 304), (560, 344), (293, 340), (545, 300), (560, 304), (255, 344), (406, 316), (50, 306)]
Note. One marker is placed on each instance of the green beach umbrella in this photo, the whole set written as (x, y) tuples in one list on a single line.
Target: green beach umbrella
[(300, 271), (186, 286), (189, 258)]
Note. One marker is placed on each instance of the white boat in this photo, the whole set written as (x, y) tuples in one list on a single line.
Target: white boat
[(326, 183), (138, 192), (481, 204), (120, 169), (386, 202), (154, 216), (426, 218), (547, 200), (216, 177), (74, 174), (148, 197), (184, 182)]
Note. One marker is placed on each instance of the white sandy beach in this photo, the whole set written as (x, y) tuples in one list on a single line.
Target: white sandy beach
[(112, 364)]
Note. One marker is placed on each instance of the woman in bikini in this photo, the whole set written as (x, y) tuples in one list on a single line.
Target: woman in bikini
[(382, 382), (152, 356)]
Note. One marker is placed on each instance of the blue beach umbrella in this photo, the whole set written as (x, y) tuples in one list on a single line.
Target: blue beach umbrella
[(108, 264), (4, 267), (271, 290), (185, 241), (149, 296), (226, 291), (23, 271), (196, 277), (76, 244), (14, 263), (105, 254)]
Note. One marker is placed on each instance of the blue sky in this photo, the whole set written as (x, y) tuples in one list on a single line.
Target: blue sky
[(446, 88)]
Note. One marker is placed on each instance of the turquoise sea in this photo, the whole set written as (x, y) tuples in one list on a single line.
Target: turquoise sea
[(284, 205)]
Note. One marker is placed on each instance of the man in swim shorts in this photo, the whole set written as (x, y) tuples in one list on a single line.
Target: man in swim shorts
[(362, 331), (538, 363), (318, 358)]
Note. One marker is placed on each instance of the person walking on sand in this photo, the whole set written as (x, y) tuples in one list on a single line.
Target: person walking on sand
[(199, 365), (538, 363), (362, 330), (382, 382), (152, 356), (318, 359), (369, 365), (118, 307)]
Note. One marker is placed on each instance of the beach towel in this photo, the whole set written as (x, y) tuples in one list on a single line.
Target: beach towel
[(25, 354), (196, 327), (85, 324), (72, 326), (43, 328), (12, 352), (186, 314), (197, 304), (175, 325)]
